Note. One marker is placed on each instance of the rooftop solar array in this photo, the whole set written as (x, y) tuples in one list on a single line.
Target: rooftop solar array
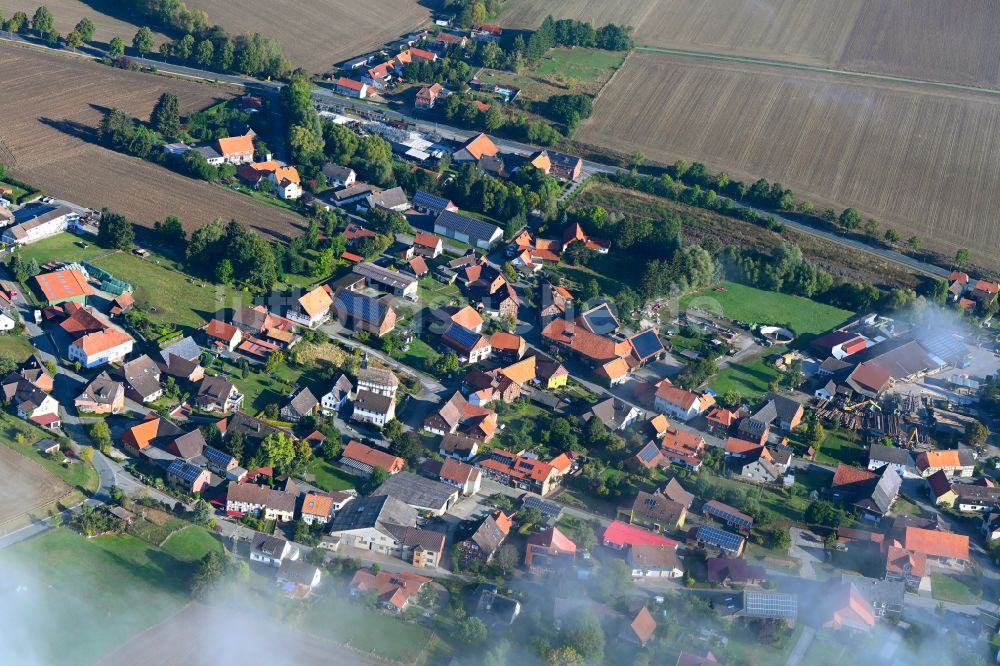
[(547, 508), (727, 513), (184, 470), (771, 605), (462, 335), (361, 307), (647, 344), (467, 225), (648, 453), (720, 538)]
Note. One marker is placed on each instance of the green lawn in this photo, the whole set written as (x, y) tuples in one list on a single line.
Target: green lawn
[(523, 417), (260, 389), (579, 63), (17, 347), (330, 478), (806, 318), (191, 544), (63, 247), (334, 617), (948, 588), (86, 597), (417, 355), (79, 475), (750, 380), (432, 293), (177, 298), (841, 446)]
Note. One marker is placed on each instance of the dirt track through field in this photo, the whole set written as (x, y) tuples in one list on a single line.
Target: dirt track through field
[(924, 161), (26, 485), (50, 106)]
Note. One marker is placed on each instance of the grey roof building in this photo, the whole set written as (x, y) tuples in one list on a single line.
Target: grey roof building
[(420, 493), (302, 404), (467, 229), (374, 512), (184, 347)]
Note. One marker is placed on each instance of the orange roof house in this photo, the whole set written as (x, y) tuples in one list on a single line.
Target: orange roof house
[(468, 318), (614, 371), (223, 334), (594, 348), (932, 543), (952, 462), (846, 475), (521, 372), (62, 286), (313, 306), (541, 161), (643, 627), (393, 589), (366, 458), (511, 347), (476, 148), (238, 148)]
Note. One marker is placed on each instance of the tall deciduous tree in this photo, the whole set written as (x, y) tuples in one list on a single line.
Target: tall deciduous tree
[(143, 40)]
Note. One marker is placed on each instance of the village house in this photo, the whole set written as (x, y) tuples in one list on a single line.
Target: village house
[(708, 536), (218, 393), (95, 349), (35, 223), (359, 312), (677, 402), (352, 88), (427, 496), (364, 459), (954, 463), (302, 404), (912, 557), (373, 408), (430, 204), (524, 472), (141, 377), (236, 150), (218, 461), (458, 415), (102, 395), (271, 550), (386, 525), (895, 458), (727, 571), (427, 96), (621, 536), (153, 433), (394, 591), (317, 508), (614, 413), (459, 447), (548, 551), (641, 629), (486, 540), (471, 347), (260, 501), (311, 309), (339, 176), (188, 478), (384, 279), (378, 380), (30, 402), (338, 396), (655, 561), (298, 579), (653, 511), (222, 335), (464, 477)]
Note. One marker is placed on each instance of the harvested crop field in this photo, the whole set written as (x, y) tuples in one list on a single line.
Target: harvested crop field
[(319, 33), (919, 159), (921, 39), (50, 107), (27, 485)]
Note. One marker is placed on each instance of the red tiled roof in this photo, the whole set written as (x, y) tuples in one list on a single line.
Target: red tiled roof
[(418, 266), (221, 330), (644, 626), (584, 342), (739, 446), (61, 285), (675, 395), (621, 534), (847, 475), (427, 240), (350, 84), (372, 457), (722, 416), (936, 544)]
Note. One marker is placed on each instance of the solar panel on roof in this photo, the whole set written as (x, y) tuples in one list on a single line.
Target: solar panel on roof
[(184, 470), (770, 605), (721, 538), (462, 335), (647, 344), (648, 453)]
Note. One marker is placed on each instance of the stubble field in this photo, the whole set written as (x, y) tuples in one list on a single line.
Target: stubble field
[(919, 159), (49, 108), (27, 485), (922, 39), (319, 33), (314, 34)]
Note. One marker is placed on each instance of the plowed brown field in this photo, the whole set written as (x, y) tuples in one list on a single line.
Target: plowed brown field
[(51, 104), (923, 160)]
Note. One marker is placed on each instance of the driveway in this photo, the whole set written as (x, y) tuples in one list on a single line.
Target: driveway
[(806, 549)]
